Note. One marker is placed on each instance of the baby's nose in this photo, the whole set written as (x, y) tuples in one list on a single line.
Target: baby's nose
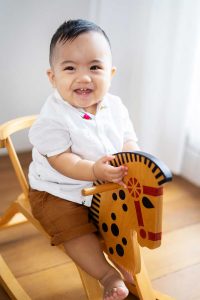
[(84, 78)]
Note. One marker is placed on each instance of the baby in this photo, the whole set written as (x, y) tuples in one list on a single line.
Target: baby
[(79, 128)]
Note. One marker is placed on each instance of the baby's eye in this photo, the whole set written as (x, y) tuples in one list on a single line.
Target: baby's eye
[(95, 67), (69, 68)]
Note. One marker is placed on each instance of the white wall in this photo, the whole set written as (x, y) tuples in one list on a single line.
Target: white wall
[(155, 46), (26, 27), (127, 24)]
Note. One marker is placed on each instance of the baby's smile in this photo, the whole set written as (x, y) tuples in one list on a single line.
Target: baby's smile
[(83, 91)]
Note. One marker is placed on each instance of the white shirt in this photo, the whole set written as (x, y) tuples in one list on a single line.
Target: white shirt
[(61, 126)]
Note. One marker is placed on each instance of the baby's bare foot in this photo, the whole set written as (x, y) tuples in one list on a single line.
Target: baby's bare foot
[(114, 287), (116, 293)]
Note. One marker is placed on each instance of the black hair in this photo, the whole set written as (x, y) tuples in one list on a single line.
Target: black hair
[(70, 30)]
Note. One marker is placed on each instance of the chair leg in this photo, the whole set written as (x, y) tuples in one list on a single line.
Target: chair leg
[(11, 216), (10, 283)]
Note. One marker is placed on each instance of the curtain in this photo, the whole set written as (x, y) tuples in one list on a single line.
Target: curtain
[(156, 49)]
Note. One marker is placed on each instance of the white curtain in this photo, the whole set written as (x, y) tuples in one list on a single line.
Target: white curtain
[(156, 47)]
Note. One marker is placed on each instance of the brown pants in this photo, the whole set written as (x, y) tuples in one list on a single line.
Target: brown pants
[(61, 219)]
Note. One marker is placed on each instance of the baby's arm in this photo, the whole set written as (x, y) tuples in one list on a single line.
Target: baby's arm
[(71, 165)]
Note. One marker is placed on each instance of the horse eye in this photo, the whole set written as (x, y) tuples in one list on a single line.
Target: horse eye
[(147, 203)]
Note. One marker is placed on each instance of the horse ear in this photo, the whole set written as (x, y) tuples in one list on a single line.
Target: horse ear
[(147, 203)]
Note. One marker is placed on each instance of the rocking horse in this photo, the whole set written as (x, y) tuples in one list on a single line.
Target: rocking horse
[(126, 217)]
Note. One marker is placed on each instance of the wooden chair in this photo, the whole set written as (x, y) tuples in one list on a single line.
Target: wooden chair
[(142, 286), (19, 211)]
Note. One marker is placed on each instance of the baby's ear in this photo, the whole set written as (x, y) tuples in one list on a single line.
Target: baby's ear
[(113, 71), (51, 77)]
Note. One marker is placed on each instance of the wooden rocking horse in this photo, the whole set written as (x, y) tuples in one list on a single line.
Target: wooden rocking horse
[(126, 218)]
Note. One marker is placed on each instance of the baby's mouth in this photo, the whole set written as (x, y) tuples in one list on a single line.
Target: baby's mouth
[(83, 91)]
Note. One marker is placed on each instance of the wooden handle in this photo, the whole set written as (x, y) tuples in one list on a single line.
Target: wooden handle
[(15, 125), (100, 189)]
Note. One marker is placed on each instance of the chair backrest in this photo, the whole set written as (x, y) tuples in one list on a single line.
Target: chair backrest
[(6, 130)]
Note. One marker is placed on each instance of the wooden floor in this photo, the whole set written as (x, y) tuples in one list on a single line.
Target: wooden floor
[(47, 274)]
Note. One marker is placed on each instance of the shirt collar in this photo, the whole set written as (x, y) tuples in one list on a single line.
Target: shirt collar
[(85, 115)]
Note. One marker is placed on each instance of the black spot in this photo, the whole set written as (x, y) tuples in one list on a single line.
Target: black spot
[(111, 251), (124, 241), (114, 196), (104, 227), (113, 216), (115, 229), (120, 250), (147, 203), (122, 195), (125, 207)]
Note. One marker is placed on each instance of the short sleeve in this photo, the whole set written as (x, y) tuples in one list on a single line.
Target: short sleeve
[(49, 136), (129, 132)]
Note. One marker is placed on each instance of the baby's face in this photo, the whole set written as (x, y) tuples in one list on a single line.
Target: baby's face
[(82, 70)]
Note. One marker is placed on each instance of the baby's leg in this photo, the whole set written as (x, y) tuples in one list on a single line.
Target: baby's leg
[(86, 252)]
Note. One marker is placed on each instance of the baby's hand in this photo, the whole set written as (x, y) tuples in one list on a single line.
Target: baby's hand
[(104, 171)]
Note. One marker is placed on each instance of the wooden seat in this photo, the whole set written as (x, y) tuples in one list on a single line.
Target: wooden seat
[(20, 211)]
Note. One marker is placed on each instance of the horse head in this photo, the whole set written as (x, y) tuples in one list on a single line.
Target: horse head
[(122, 212)]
